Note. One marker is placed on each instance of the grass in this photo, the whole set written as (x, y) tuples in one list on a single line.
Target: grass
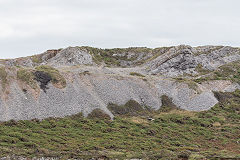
[(131, 108), (113, 57), (3, 77), (36, 59), (230, 71), (57, 79), (167, 104), (136, 74), (98, 114), (172, 135), (27, 76), (192, 84)]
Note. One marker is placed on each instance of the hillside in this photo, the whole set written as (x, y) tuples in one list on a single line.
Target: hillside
[(67, 81), (171, 133), (178, 102)]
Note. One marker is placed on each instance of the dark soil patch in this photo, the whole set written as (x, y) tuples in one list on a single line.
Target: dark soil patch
[(44, 78)]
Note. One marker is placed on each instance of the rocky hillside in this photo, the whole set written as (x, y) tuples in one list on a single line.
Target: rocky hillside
[(67, 81)]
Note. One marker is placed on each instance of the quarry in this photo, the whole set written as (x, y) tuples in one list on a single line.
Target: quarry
[(63, 82)]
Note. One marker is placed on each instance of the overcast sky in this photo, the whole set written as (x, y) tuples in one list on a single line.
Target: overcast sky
[(30, 27)]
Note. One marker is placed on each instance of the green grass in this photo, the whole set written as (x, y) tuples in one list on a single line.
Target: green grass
[(57, 79), (98, 114), (26, 76), (36, 59), (3, 77), (167, 104), (230, 71), (172, 135), (113, 57), (131, 108)]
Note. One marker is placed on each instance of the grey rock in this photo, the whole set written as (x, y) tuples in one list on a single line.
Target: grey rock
[(183, 59), (71, 56)]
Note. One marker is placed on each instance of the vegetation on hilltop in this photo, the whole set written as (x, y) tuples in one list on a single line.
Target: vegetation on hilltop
[(113, 57), (172, 134)]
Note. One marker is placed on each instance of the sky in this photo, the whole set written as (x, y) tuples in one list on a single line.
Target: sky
[(29, 27)]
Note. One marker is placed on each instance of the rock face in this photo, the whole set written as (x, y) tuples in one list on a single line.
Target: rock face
[(218, 57), (182, 59), (174, 62), (71, 56), (91, 85), (179, 62)]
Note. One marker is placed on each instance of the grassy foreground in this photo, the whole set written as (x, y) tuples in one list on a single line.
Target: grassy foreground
[(173, 134)]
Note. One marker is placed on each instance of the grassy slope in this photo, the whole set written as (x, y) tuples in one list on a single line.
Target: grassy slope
[(175, 134), (230, 71)]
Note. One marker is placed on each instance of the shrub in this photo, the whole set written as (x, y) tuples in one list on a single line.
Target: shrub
[(131, 108), (27, 76)]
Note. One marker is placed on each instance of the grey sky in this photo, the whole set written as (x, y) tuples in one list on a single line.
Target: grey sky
[(29, 27)]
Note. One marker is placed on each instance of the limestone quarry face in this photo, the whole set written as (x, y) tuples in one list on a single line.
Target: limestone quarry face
[(91, 84)]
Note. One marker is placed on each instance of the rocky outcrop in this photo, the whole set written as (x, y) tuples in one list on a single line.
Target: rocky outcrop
[(182, 60), (218, 57), (71, 56)]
